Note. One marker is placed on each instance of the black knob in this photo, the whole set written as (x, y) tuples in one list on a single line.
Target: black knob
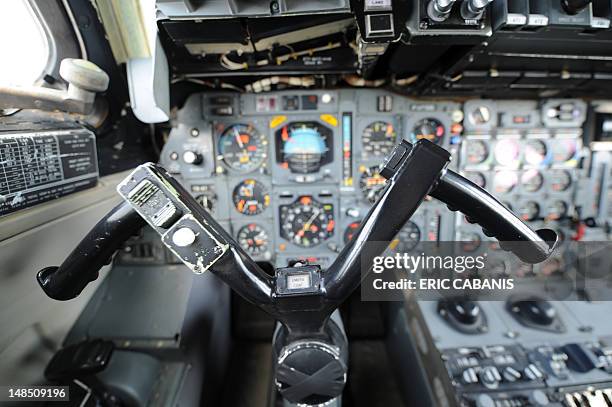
[(573, 7)]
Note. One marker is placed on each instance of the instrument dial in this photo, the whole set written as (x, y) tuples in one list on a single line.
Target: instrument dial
[(429, 129), (504, 181), (480, 115), (379, 138), (253, 239), (532, 180), (304, 147), (557, 210), (371, 183), (408, 237), (563, 150), (250, 197), (208, 200), (307, 222), (507, 152), (529, 211), (350, 230), (535, 152), (242, 148), (560, 180), (476, 151)]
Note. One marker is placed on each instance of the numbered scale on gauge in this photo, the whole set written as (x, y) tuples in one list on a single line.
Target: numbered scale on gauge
[(429, 129), (371, 183), (242, 148), (254, 239), (307, 222), (250, 197), (378, 139)]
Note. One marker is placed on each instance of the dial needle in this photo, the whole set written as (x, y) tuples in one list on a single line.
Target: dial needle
[(312, 218)]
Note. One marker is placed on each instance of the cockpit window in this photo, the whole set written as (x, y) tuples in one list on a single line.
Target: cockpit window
[(23, 44)]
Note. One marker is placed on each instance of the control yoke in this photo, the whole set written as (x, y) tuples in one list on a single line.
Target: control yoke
[(301, 297)]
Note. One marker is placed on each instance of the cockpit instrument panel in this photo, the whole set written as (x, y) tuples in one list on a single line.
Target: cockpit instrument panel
[(293, 173)]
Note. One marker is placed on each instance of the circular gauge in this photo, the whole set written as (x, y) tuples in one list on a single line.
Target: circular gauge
[(250, 197), (303, 147), (560, 180), (428, 129), (481, 115), (535, 152), (306, 222), (208, 200), (532, 180), (242, 148), (529, 211), (563, 150), (379, 139), (477, 178), (557, 210), (371, 183), (507, 152), (408, 237), (470, 241), (350, 230), (476, 151), (253, 239), (504, 181)]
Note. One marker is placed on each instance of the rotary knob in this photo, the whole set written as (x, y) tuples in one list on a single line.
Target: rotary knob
[(192, 157), (473, 9), (439, 10)]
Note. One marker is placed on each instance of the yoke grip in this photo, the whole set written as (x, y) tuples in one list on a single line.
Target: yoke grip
[(460, 194), (96, 249)]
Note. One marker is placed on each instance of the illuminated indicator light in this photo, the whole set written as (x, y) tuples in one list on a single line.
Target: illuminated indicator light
[(277, 120), (329, 119), (362, 168), (241, 205), (439, 131), (306, 200), (282, 247), (330, 225), (284, 165), (252, 148), (285, 134), (394, 244), (245, 138), (456, 128)]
